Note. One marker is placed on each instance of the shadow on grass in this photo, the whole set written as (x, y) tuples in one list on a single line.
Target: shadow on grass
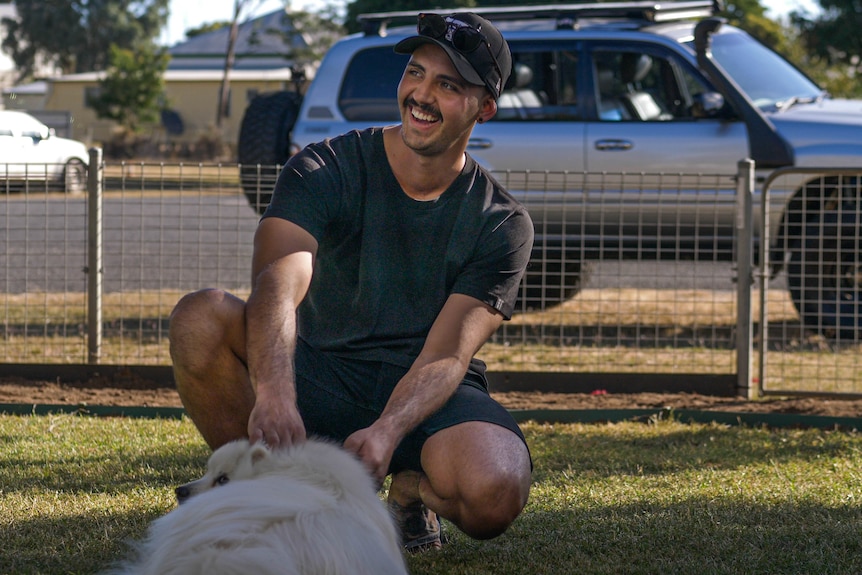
[(110, 474), (69, 543), (696, 536)]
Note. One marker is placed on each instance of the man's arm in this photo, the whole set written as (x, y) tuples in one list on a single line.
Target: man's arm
[(462, 327), (281, 273)]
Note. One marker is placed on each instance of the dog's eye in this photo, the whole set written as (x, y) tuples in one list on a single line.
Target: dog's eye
[(221, 480)]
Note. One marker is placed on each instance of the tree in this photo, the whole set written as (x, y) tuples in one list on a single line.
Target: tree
[(132, 92), (833, 45), (306, 36), (240, 7), (206, 28), (76, 35)]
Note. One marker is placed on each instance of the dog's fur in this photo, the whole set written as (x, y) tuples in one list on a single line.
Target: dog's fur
[(308, 509)]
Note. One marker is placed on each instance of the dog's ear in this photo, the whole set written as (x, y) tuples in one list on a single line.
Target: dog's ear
[(259, 452)]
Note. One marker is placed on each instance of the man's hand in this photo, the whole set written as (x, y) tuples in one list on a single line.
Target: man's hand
[(275, 421), (374, 449)]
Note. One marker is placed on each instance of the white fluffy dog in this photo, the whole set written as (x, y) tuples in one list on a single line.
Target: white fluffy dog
[(307, 509)]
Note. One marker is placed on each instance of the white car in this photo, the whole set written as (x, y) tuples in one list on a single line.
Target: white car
[(29, 151)]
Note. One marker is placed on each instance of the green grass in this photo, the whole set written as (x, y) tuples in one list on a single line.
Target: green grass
[(658, 497)]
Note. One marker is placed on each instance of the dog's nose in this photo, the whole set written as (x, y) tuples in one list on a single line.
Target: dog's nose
[(183, 493)]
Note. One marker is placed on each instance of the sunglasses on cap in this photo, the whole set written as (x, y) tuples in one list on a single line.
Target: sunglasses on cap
[(464, 38)]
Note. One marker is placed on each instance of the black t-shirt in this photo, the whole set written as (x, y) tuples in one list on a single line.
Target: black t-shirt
[(386, 263)]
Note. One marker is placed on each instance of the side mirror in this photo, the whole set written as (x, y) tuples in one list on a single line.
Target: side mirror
[(707, 105)]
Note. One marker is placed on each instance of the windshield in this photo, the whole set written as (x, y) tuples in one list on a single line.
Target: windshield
[(767, 78)]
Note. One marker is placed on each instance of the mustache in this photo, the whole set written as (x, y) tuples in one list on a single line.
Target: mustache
[(410, 102)]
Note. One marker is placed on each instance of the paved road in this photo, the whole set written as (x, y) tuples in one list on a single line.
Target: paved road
[(149, 243), (187, 242)]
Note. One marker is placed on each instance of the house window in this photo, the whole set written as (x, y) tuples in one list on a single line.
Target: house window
[(91, 94)]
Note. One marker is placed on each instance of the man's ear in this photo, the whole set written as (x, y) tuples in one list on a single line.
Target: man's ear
[(488, 109)]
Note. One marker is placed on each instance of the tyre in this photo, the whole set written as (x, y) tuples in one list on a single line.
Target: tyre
[(75, 176), (550, 280), (825, 274), (264, 140)]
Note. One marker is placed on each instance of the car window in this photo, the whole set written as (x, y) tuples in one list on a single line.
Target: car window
[(634, 86), (543, 86), (763, 75), (368, 92)]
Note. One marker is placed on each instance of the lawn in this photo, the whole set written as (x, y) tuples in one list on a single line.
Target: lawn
[(632, 497)]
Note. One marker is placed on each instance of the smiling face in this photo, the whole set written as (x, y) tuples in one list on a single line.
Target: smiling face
[(438, 107)]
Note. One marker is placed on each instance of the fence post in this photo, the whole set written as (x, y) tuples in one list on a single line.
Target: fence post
[(763, 276), (744, 280), (94, 257)]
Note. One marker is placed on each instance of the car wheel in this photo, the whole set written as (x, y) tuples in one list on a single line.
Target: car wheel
[(264, 139), (75, 176), (550, 280), (825, 274)]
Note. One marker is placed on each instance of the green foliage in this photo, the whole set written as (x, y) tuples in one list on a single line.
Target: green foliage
[(76, 35), (834, 34), (207, 28), (832, 45), (132, 92)]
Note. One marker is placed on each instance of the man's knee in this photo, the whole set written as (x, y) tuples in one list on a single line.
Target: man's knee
[(491, 504), (199, 326), (197, 306)]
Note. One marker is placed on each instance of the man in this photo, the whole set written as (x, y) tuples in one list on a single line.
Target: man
[(385, 261)]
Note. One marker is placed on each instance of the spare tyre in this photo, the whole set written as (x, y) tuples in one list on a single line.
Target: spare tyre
[(264, 141)]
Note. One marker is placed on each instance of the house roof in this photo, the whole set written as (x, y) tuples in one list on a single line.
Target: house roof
[(39, 88), (261, 43)]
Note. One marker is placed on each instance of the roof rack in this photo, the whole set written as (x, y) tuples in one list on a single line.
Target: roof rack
[(566, 15)]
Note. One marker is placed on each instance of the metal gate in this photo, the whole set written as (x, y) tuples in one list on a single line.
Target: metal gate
[(811, 266)]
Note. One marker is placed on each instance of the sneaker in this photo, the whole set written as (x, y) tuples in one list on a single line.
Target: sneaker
[(419, 526)]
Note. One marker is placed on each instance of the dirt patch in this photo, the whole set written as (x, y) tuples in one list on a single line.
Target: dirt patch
[(131, 390)]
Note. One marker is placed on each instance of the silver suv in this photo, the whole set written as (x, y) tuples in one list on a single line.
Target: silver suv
[(666, 91)]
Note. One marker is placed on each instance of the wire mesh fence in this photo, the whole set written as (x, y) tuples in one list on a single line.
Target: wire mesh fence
[(631, 273), (811, 333)]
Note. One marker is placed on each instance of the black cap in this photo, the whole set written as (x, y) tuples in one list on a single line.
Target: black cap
[(488, 64)]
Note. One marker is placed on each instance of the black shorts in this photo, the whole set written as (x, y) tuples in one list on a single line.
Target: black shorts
[(337, 396)]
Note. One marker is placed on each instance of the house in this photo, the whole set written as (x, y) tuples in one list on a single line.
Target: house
[(192, 97), (193, 82)]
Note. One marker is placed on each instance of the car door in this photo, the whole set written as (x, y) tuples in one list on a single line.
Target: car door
[(680, 165), (535, 143), (14, 146), (539, 121)]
